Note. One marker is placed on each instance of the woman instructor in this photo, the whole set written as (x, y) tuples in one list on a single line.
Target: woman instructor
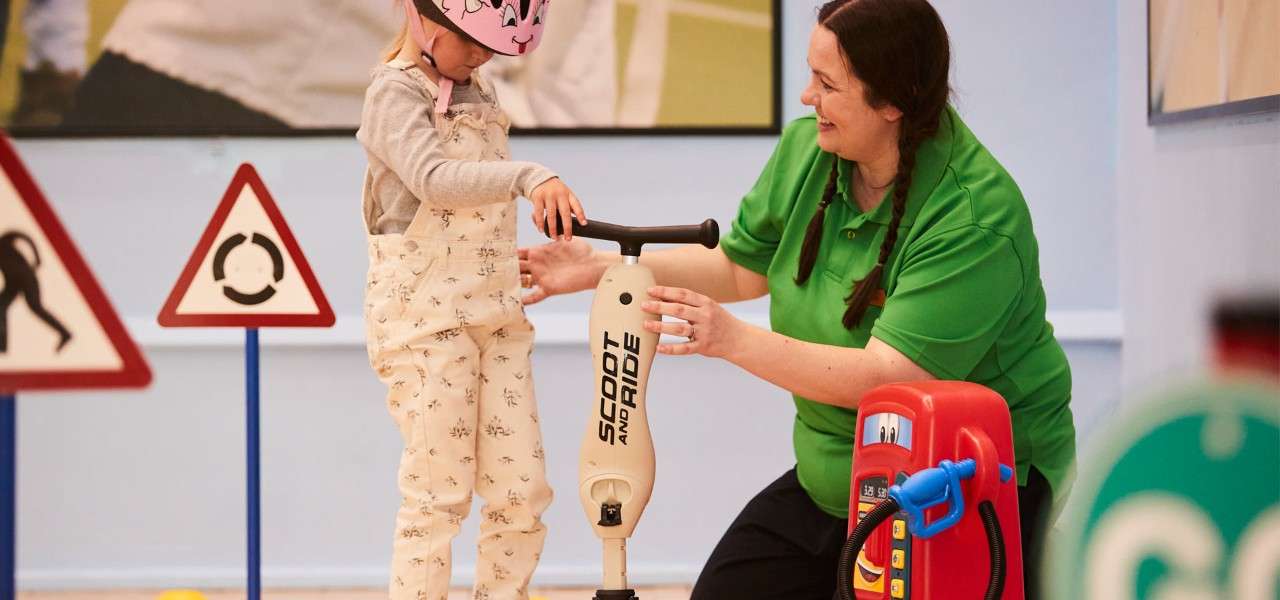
[(893, 248)]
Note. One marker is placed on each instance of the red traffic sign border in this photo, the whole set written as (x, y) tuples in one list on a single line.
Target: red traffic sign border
[(134, 371), (169, 317)]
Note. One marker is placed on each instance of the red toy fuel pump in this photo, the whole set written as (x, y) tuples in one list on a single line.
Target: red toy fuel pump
[(932, 489)]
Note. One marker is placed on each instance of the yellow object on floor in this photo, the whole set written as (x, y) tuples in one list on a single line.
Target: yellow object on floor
[(181, 595)]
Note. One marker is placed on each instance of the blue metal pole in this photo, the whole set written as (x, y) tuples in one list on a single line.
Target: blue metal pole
[(8, 495), (251, 440)]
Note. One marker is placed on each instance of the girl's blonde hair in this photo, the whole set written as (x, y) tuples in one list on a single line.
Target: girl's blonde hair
[(401, 38), (397, 44)]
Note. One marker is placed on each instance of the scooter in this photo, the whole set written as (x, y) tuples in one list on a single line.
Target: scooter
[(616, 465)]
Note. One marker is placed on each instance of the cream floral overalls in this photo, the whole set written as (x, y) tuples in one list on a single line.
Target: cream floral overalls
[(448, 336)]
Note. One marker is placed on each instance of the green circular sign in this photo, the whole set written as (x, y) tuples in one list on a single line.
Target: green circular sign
[(1182, 502)]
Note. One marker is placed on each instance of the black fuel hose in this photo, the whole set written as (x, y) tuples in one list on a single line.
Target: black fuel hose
[(886, 509), (995, 544), (852, 546)]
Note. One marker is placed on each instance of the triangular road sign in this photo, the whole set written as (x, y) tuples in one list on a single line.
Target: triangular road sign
[(57, 328), (247, 270)]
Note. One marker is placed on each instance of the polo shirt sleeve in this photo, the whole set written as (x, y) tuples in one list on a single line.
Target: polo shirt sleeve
[(762, 215), (954, 295)]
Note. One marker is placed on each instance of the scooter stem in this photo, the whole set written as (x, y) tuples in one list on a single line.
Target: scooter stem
[(616, 465)]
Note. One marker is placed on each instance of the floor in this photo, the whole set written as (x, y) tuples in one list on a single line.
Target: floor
[(655, 593)]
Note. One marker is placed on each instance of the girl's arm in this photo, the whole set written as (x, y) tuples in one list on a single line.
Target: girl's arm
[(397, 129)]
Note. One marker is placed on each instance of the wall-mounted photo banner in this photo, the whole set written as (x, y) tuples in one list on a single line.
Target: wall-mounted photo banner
[(1212, 58), (300, 67)]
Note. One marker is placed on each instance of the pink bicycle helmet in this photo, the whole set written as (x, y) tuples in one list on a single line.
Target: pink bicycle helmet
[(510, 27)]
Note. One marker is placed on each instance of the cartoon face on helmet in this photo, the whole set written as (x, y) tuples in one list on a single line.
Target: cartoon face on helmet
[(511, 27)]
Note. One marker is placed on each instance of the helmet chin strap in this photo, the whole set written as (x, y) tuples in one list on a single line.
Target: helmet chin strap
[(426, 44)]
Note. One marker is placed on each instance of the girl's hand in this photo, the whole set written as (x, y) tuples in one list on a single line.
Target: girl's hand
[(711, 330), (558, 268), (553, 202)]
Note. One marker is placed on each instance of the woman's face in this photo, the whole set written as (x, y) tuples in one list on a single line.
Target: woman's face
[(847, 125), (456, 57)]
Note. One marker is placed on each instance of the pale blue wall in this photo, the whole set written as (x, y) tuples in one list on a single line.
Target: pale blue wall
[(146, 487)]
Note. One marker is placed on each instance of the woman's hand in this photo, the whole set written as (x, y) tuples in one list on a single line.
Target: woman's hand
[(712, 330), (558, 268), (554, 202)]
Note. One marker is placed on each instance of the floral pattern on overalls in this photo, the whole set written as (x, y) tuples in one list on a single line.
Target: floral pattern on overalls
[(448, 335)]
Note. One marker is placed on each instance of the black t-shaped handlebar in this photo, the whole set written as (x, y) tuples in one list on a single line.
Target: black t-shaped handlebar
[(632, 238)]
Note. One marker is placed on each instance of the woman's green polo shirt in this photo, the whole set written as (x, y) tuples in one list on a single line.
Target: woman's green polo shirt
[(963, 293)]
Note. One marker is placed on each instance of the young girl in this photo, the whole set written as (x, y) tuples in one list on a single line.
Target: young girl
[(446, 328)]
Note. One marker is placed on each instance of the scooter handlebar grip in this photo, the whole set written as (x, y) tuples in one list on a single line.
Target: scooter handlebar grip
[(706, 233)]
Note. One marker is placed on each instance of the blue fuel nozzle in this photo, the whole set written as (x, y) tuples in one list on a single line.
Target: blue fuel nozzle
[(932, 487)]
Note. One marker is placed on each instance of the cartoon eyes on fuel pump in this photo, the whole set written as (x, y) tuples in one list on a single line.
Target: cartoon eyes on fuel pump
[(887, 428)]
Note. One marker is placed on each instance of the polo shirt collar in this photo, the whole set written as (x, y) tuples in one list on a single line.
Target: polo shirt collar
[(931, 162)]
